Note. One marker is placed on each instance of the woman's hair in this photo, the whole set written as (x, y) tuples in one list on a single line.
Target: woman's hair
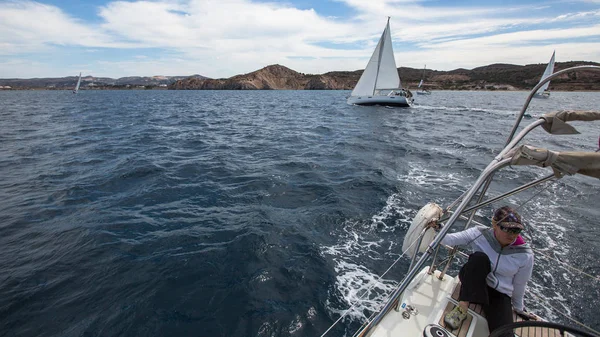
[(506, 214)]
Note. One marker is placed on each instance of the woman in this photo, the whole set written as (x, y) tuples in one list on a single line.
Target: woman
[(497, 272)]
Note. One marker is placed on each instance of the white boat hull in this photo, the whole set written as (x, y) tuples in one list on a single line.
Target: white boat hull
[(543, 95), (400, 101), (423, 92)]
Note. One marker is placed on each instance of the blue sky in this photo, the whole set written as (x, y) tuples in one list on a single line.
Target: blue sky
[(223, 38)]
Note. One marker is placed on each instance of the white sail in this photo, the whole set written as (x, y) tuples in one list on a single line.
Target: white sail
[(549, 70), (387, 76), (78, 83), (381, 71), (420, 84), (422, 77)]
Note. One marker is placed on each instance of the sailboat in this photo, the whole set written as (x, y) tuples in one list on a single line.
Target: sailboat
[(77, 86), (428, 291), (422, 90), (380, 83), (543, 92)]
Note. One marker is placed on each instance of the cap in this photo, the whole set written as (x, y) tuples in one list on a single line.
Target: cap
[(508, 217)]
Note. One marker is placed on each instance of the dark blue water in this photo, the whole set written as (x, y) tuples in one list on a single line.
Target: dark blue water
[(255, 213)]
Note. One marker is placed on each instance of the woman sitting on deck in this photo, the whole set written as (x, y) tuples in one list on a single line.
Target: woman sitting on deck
[(497, 272)]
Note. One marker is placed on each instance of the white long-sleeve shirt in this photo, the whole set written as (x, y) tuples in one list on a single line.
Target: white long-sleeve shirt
[(511, 266)]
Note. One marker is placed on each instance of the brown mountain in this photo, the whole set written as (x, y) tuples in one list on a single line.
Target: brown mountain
[(491, 77), (273, 77)]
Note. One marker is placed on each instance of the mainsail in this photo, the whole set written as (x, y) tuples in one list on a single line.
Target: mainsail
[(381, 71), (549, 70), (422, 77), (77, 86)]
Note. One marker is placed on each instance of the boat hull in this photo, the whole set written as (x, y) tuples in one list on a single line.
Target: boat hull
[(423, 92), (399, 101), (544, 95)]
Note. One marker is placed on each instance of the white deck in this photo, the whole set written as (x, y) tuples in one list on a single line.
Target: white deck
[(430, 297)]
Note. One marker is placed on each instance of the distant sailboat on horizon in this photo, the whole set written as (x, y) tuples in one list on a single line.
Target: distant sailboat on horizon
[(423, 91), (380, 83), (76, 90), (543, 92)]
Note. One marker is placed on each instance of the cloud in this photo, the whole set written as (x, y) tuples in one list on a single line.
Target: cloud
[(227, 37), (27, 27), (207, 24)]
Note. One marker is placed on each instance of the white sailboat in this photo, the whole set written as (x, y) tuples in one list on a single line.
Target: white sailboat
[(380, 83), (421, 299), (422, 90), (76, 90), (543, 92)]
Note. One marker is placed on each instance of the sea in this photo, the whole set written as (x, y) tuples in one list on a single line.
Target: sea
[(262, 213)]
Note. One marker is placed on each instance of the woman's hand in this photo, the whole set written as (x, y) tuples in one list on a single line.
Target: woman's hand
[(434, 224), (528, 316)]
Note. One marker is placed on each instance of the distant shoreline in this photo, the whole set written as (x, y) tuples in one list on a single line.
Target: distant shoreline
[(166, 89), (494, 77)]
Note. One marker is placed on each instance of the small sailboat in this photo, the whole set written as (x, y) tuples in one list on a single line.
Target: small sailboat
[(422, 90), (543, 92), (77, 86), (380, 83)]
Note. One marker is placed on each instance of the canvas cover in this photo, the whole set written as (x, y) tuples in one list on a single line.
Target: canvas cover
[(586, 163), (556, 122)]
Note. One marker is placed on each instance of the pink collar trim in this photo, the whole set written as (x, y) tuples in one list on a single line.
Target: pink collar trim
[(518, 241)]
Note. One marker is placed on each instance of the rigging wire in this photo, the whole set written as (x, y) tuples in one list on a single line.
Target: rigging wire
[(566, 266)]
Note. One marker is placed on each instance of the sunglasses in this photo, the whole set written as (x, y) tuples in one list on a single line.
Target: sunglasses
[(510, 230)]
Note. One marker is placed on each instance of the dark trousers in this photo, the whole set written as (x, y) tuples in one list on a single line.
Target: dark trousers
[(496, 305)]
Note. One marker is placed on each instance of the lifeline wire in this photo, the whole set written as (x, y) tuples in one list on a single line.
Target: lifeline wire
[(566, 266)]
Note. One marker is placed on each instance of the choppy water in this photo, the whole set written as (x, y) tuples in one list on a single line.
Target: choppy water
[(254, 213)]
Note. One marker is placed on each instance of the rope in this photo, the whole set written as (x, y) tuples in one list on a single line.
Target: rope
[(566, 266), (371, 287)]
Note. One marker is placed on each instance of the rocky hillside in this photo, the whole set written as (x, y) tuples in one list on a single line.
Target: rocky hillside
[(273, 77), (491, 77)]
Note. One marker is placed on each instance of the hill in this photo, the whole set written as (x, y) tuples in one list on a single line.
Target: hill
[(273, 77), (491, 77), (90, 82), (277, 77)]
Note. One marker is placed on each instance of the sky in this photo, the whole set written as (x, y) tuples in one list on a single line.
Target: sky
[(224, 38)]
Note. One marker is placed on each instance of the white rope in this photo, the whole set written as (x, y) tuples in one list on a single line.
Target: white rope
[(565, 266), (371, 287)]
